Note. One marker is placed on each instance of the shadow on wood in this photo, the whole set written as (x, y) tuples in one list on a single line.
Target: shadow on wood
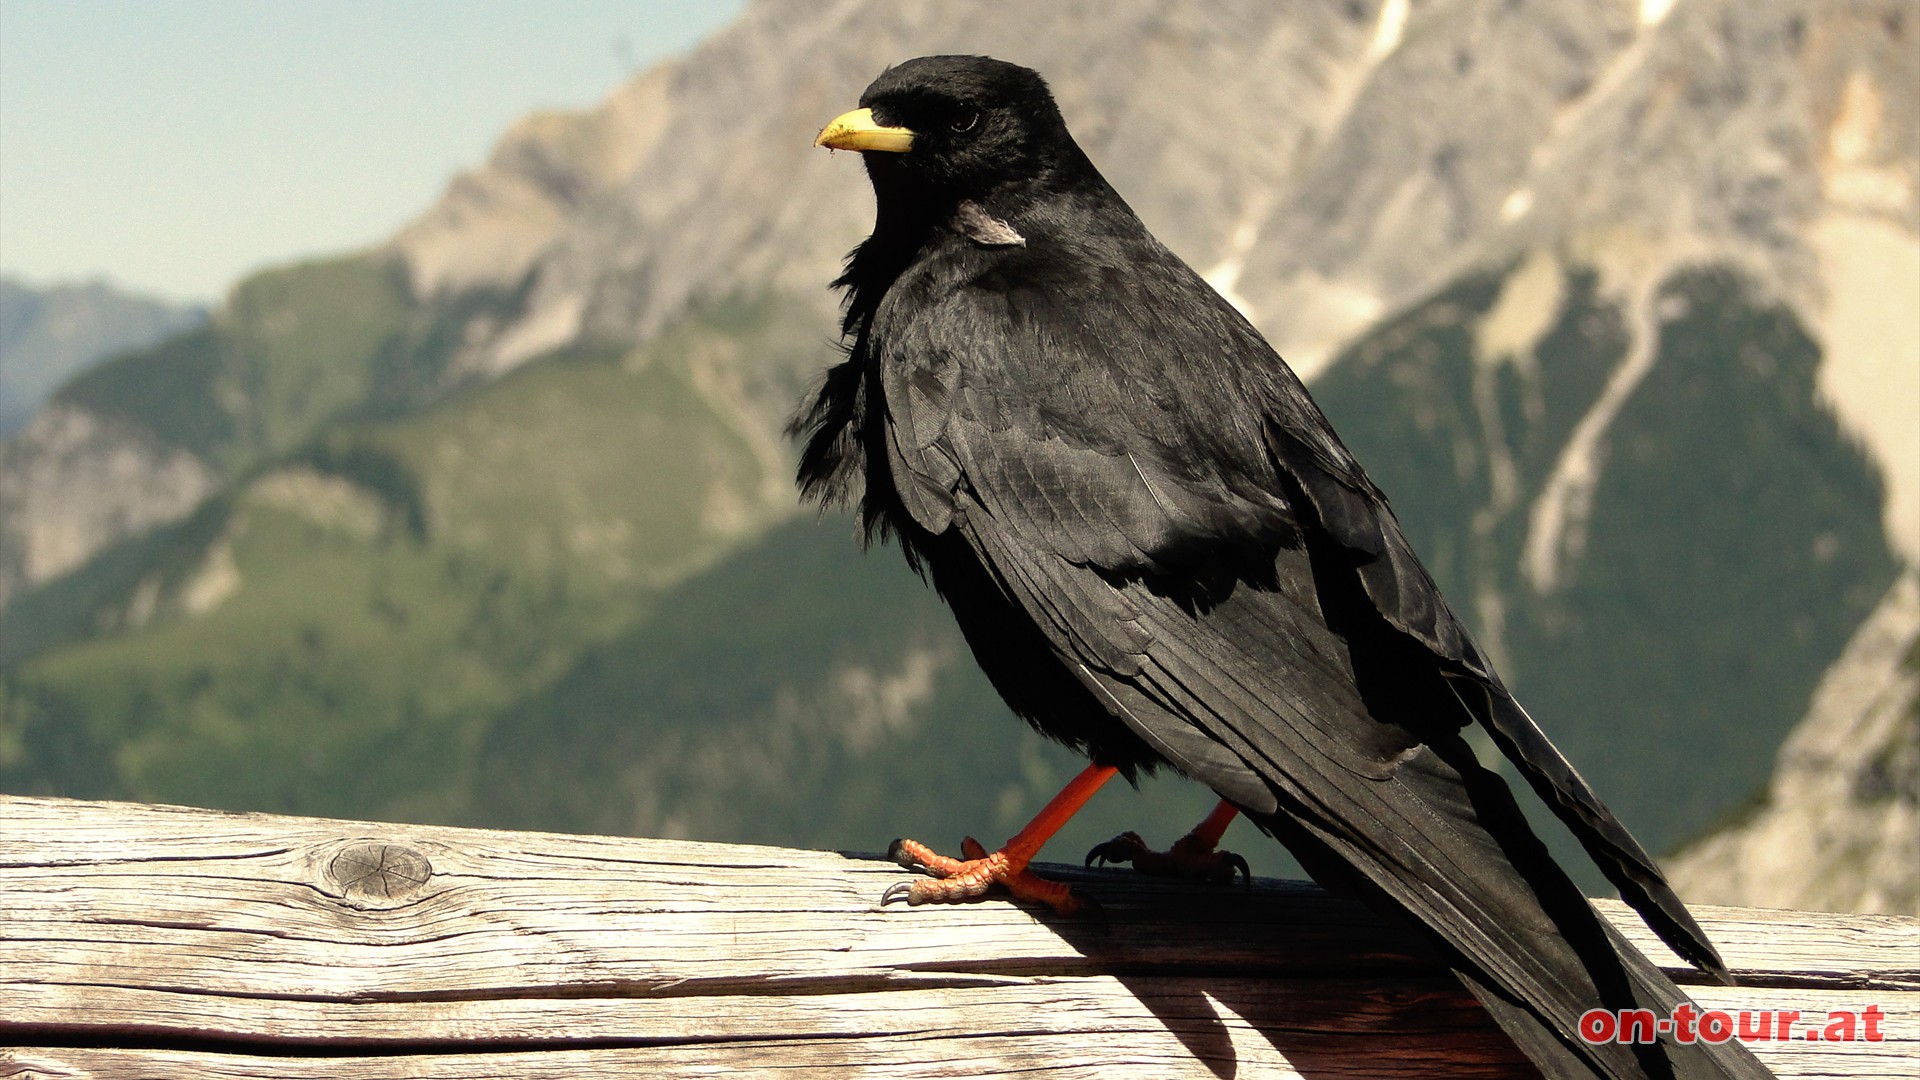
[(159, 941)]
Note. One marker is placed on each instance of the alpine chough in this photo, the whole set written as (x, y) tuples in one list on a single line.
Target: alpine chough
[(1160, 553)]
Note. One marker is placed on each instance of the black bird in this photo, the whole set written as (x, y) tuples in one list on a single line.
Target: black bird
[(1160, 553)]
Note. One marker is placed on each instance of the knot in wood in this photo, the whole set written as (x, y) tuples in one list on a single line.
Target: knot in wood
[(375, 872)]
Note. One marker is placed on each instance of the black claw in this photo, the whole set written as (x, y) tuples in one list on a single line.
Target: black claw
[(1108, 852), (897, 852), (1238, 863), (902, 890)]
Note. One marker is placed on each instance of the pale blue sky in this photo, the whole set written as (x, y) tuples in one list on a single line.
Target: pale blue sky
[(174, 145)]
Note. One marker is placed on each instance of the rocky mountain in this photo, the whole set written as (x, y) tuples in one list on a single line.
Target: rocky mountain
[(1620, 303), (1359, 172), (74, 480), (49, 523)]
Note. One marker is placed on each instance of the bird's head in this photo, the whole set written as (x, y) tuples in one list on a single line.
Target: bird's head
[(946, 128)]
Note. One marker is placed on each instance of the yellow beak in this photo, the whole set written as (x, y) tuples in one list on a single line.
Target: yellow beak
[(858, 130)]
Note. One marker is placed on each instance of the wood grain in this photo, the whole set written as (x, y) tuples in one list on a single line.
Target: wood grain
[(159, 941)]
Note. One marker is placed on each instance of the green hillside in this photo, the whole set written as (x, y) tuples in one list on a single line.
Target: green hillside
[(331, 634), (798, 693), (294, 348), (1734, 541), (50, 333)]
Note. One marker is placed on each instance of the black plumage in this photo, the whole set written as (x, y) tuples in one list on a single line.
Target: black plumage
[(1160, 552)]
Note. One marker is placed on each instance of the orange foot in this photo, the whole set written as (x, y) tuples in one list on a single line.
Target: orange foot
[(955, 880), (964, 879), (1193, 856)]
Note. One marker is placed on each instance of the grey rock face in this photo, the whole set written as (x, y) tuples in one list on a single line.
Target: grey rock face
[(73, 482), (1324, 165), (1197, 113)]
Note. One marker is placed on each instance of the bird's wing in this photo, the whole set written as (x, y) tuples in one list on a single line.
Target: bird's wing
[(1258, 675), (1355, 515), (1014, 423), (1068, 454)]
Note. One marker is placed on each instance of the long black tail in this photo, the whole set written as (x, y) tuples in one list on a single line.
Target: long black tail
[(1553, 956), (1619, 856)]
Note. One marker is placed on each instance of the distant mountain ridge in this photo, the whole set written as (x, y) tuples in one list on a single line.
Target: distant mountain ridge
[(1613, 300), (50, 333)]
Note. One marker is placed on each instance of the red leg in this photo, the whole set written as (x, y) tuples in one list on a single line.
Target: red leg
[(1192, 856), (1207, 834), (964, 879)]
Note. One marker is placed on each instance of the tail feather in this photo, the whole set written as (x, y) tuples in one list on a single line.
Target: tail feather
[(1619, 856), (1572, 959)]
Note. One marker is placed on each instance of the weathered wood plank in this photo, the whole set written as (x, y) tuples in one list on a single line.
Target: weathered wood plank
[(1327, 1029), (991, 1056), (249, 945)]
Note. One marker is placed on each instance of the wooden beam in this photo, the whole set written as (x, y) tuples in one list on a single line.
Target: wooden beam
[(161, 941)]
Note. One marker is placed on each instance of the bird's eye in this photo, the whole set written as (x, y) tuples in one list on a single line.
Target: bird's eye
[(966, 121)]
